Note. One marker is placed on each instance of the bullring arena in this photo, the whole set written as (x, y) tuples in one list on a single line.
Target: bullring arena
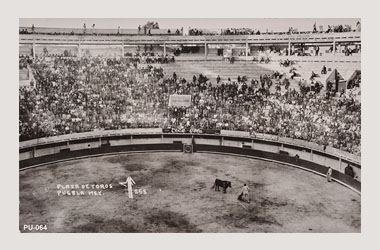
[(96, 111)]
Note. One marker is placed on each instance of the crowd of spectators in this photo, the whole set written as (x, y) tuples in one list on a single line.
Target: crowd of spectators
[(149, 58), (24, 31), (177, 32), (304, 114), (83, 94), (195, 32), (24, 61), (338, 28), (239, 31), (147, 27), (75, 95), (355, 82)]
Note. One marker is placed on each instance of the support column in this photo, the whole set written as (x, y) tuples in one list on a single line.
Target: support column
[(79, 51), (334, 46), (164, 48), (122, 50), (246, 51), (289, 47), (311, 155), (34, 50), (205, 50)]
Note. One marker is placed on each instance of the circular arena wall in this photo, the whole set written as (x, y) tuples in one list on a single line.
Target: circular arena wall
[(311, 157)]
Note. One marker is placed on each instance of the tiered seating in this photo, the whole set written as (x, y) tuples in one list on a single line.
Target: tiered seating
[(25, 77), (108, 51), (23, 74), (212, 69), (25, 50)]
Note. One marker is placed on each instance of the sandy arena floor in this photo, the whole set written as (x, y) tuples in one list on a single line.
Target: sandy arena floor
[(179, 197)]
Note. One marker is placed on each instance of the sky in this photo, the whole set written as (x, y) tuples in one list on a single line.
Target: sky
[(272, 24)]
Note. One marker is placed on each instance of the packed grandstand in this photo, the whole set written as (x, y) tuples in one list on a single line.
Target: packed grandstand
[(67, 93)]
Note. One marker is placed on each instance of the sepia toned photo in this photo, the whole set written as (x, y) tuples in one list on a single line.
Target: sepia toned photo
[(189, 125)]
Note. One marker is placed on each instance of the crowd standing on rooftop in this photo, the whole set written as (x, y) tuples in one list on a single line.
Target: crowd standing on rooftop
[(239, 31), (150, 25)]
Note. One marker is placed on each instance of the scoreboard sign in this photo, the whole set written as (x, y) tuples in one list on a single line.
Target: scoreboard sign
[(179, 100)]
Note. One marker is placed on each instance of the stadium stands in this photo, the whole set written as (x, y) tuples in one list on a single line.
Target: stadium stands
[(86, 83)]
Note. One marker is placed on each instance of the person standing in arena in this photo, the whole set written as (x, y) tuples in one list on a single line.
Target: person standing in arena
[(245, 190), (244, 196), (328, 175)]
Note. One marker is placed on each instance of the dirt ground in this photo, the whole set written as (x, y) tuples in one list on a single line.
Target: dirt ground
[(179, 197)]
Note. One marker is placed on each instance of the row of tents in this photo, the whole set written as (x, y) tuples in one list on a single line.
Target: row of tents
[(345, 81)]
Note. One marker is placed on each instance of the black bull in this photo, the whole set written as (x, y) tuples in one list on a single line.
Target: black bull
[(224, 184)]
